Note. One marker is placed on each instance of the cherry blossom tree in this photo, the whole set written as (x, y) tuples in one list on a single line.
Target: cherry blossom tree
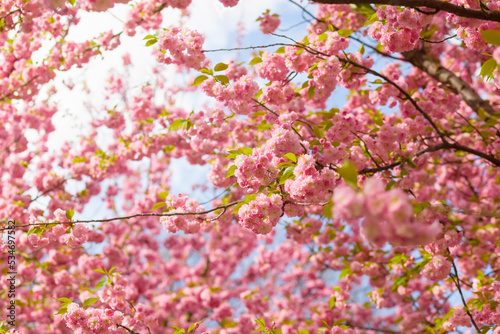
[(388, 197)]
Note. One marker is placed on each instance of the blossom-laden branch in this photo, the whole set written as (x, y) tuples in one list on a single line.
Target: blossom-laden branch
[(434, 4), (444, 145), (434, 148), (434, 69), (456, 280), (127, 329), (166, 214)]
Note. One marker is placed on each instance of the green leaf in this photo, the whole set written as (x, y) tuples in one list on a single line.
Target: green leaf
[(390, 185), (256, 60), (246, 150), (231, 170), (176, 124), (64, 300), (362, 49), (338, 322), (287, 174), (332, 302), (163, 195), (222, 78), (398, 320), (484, 329), (429, 329), (318, 131), (62, 310), (420, 207), (344, 32), (228, 323), (491, 36), (199, 80), (349, 173), (373, 18), (310, 92), (220, 67), (327, 210), (285, 164), (89, 301), (100, 271), (191, 328), (35, 229), (488, 68), (345, 272), (70, 213), (206, 71), (158, 205), (151, 41), (104, 280), (77, 160), (148, 37), (258, 94), (280, 50), (322, 37), (262, 324), (291, 157)]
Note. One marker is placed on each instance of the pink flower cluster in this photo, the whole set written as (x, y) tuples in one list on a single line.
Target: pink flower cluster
[(284, 140), (261, 214), (330, 45), (459, 318), (277, 94), (268, 23), (255, 170), (325, 78), (186, 223), (90, 320), (310, 185), (238, 97), (402, 30), (184, 47), (438, 269), (117, 293), (97, 5), (387, 216), (273, 67), (229, 3)]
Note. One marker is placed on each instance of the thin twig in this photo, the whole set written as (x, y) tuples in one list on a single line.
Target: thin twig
[(457, 283), (196, 213)]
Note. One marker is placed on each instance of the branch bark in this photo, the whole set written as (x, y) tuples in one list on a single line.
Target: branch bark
[(438, 147), (434, 4), (434, 69)]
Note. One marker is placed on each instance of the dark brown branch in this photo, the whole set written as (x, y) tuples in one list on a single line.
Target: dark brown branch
[(373, 329), (60, 183), (437, 42), (433, 68), (401, 90), (434, 4), (223, 207), (438, 147), (457, 283), (126, 328)]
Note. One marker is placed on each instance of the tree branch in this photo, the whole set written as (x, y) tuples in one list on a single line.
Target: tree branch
[(434, 69), (224, 207), (457, 283), (434, 148), (434, 4)]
